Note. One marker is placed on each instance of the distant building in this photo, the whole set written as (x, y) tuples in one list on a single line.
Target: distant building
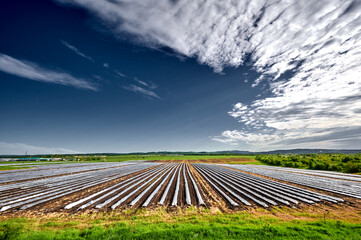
[(38, 159), (6, 159)]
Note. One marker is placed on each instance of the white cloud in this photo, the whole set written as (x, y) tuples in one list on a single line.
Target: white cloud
[(141, 82), (307, 52), (148, 84), (303, 108), (120, 74), (21, 148), (142, 91), (33, 71), (76, 50), (145, 88), (224, 140)]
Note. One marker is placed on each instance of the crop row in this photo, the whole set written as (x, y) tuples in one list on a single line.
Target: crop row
[(327, 174), (167, 184), (151, 184), (50, 170), (239, 188), (27, 194), (306, 178)]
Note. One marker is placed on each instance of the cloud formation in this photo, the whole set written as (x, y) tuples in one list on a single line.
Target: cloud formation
[(141, 90), (76, 50), (21, 148), (33, 71), (141, 82), (306, 52)]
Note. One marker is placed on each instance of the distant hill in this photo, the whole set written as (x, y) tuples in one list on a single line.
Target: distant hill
[(289, 151), (295, 151), (236, 152)]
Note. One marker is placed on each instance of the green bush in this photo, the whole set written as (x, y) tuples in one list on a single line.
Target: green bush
[(352, 167), (350, 163)]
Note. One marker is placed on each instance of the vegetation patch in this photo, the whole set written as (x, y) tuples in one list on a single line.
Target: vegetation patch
[(348, 163), (12, 167), (187, 224)]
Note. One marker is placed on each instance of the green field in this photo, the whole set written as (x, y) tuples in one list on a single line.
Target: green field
[(186, 225), (13, 167), (121, 158)]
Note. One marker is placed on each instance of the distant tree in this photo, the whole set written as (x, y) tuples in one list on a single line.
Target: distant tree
[(346, 159)]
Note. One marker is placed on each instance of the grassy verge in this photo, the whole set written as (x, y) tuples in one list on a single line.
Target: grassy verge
[(12, 167), (189, 224), (299, 230), (253, 162)]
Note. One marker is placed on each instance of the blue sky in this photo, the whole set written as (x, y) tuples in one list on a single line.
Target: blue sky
[(126, 76)]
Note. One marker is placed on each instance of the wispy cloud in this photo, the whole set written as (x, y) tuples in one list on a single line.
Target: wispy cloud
[(306, 52), (141, 82), (22, 148), (76, 50), (120, 74), (149, 84), (33, 71), (142, 91), (144, 88)]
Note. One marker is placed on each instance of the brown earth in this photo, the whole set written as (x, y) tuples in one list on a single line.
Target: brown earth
[(307, 213)]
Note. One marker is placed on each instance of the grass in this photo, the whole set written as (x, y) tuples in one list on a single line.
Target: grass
[(253, 162), (190, 224), (12, 167), (318, 230)]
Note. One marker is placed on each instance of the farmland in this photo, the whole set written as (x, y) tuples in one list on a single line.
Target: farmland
[(172, 191), (118, 158), (110, 186)]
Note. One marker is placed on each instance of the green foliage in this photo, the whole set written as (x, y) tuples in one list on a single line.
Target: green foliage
[(11, 229), (221, 227), (350, 163), (11, 167)]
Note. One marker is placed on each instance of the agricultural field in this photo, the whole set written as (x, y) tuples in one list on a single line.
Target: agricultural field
[(203, 196), (225, 158)]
